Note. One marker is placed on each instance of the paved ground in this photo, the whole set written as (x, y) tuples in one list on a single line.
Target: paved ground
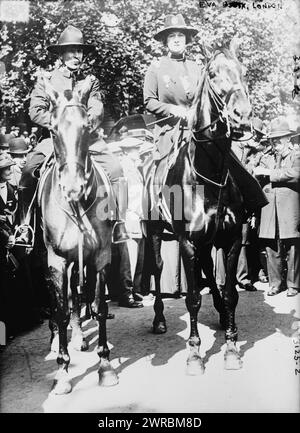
[(151, 368)]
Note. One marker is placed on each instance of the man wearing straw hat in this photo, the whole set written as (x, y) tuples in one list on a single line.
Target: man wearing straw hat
[(71, 50), (280, 219)]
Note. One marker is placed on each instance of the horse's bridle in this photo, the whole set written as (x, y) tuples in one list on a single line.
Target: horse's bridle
[(222, 115), (82, 166)]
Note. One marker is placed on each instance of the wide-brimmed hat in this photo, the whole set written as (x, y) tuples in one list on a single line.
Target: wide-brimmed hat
[(5, 161), (258, 126), (146, 148), (70, 36), (278, 128), (175, 23), (4, 140), (134, 121), (18, 146)]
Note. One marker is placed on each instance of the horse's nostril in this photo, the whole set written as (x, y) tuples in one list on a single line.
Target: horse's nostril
[(235, 111)]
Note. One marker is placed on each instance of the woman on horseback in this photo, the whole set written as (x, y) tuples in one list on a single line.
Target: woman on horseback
[(171, 82)]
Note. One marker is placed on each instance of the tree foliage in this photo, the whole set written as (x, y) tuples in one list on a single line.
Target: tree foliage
[(123, 30)]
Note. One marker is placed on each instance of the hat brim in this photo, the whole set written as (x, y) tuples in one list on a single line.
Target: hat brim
[(188, 31), (58, 48), (19, 152), (279, 134), (259, 131)]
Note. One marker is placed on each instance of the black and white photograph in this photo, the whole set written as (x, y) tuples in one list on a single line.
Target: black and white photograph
[(149, 209)]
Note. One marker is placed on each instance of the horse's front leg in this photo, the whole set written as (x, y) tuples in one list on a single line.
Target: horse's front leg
[(61, 316), (78, 340), (107, 375), (230, 296), (159, 322), (193, 298), (206, 262)]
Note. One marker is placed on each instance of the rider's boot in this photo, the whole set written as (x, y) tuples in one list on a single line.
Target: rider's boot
[(120, 190)]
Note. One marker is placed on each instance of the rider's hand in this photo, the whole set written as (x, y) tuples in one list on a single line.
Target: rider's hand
[(10, 242), (179, 111)]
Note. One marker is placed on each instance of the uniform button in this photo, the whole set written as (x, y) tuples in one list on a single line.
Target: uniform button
[(267, 190)]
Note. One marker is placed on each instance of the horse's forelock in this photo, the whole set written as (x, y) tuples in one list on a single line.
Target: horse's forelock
[(228, 55), (68, 94)]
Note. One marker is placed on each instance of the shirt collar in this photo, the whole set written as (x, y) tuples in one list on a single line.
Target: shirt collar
[(178, 57), (67, 73)]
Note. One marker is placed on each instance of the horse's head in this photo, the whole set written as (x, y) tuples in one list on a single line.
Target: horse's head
[(70, 131), (226, 77)]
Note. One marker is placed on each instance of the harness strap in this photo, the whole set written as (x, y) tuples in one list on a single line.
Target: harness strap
[(80, 261)]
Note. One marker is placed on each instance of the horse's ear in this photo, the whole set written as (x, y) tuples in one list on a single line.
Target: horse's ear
[(207, 52), (50, 91), (234, 46)]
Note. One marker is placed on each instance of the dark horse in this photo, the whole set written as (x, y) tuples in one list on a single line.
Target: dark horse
[(77, 234), (204, 204)]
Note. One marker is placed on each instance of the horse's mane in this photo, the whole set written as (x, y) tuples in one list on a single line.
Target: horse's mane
[(204, 79)]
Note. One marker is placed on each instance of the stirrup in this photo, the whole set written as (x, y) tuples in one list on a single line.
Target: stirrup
[(24, 236)]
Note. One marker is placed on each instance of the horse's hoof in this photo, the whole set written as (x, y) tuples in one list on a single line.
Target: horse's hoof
[(232, 360), (61, 386), (195, 367), (159, 328), (107, 377)]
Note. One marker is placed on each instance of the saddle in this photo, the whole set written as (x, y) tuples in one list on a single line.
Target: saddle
[(156, 176)]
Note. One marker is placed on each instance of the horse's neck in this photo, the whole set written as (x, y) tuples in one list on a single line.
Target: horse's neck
[(208, 155)]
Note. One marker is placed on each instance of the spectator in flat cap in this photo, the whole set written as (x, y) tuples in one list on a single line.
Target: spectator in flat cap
[(280, 219)]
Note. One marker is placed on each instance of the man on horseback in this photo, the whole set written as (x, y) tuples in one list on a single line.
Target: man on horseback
[(69, 76)]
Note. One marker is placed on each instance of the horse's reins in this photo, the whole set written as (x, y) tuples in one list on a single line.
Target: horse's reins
[(75, 216), (223, 117)]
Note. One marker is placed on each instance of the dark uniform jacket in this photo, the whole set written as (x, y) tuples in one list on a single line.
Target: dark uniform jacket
[(6, 209), (283, 192), (169, 82), (62, 79)]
